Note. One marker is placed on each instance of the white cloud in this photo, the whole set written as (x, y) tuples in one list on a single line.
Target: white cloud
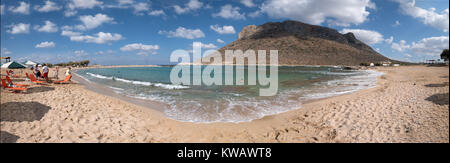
[(80, 53), (23, 8), (49, 6), (401, 46), (48, 27), (70, 33), (19, 28), (191, 6), (141, 7), (81, 4), (254, 14), (107, 52), (125, 2), (2, 9), (156, 13), (5, 51), (220, 41), (223, 30), (432, 46), (46, 44), (204, 46), (99, 38), (91, 22), (389, 40), (429, 17), (340, 13), (366, 36), (396, 24), (230, 12), (182, 32), (84, 4), (248, 3), (143, 49)]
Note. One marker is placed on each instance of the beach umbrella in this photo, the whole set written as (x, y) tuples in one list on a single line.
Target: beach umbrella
[(30, 63), (13, 65)]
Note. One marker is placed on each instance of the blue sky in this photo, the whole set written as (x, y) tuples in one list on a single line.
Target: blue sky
[(118, 32)]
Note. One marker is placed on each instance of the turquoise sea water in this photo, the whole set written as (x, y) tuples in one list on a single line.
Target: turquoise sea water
[(206, 104)]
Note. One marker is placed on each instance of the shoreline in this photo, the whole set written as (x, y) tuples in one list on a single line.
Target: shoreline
[(410, 104), (161, 106)]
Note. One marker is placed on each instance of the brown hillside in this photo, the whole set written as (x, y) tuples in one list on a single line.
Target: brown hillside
[(302, 44)]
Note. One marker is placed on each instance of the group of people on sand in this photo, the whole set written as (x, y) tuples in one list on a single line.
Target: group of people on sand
[(45, 71)]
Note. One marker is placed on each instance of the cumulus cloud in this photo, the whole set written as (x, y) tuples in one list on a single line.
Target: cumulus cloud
[(142, 48), (401, 46), (80, 53), (99, 38), (49, 27), (223, 30), (220, 41), (248, 3), (192, 5), (230, 12), (45, 44), (182, 32), (431, 46), (23, 8), (47, 7), (91, 22), (340, 13), (73, 5), (204, 46), (366, 36), (429, 17), (20, 28), (69, 33), (156, 13), (389, 40)]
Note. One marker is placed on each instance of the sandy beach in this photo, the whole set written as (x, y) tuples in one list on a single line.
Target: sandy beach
[(409, 104)]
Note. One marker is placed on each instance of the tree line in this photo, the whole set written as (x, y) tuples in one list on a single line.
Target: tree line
[(84, 63)]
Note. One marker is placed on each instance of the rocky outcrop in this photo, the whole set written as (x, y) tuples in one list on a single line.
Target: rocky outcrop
[(303, 44)]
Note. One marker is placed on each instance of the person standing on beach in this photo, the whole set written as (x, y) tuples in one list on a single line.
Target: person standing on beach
[(56, 73), (68, 72), (45, 71), (37, 73)]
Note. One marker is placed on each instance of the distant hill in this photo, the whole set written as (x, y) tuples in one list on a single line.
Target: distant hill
[(303, 44)]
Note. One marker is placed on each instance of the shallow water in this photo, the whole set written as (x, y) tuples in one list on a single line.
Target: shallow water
[(207, 104)]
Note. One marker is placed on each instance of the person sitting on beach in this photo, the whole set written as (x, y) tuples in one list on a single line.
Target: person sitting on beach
[(68, 72), (45, 71), (37, 73)]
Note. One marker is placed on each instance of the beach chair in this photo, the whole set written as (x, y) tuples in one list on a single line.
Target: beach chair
[(11, 83), (65, 81), (14, 89), (14, 76), (33, 79)]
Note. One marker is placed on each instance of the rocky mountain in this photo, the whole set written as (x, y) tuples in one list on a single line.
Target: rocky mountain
[(303, 44)]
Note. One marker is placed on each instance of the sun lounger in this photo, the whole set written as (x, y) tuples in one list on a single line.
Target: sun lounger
[(14, 76), (18, 85), (64, 81), (33, 79), (4, 85)]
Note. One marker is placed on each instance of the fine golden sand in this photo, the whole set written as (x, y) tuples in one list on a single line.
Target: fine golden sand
[(410, 104)]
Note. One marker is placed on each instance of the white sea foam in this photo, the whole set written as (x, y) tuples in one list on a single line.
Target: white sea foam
[(161, 85)]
